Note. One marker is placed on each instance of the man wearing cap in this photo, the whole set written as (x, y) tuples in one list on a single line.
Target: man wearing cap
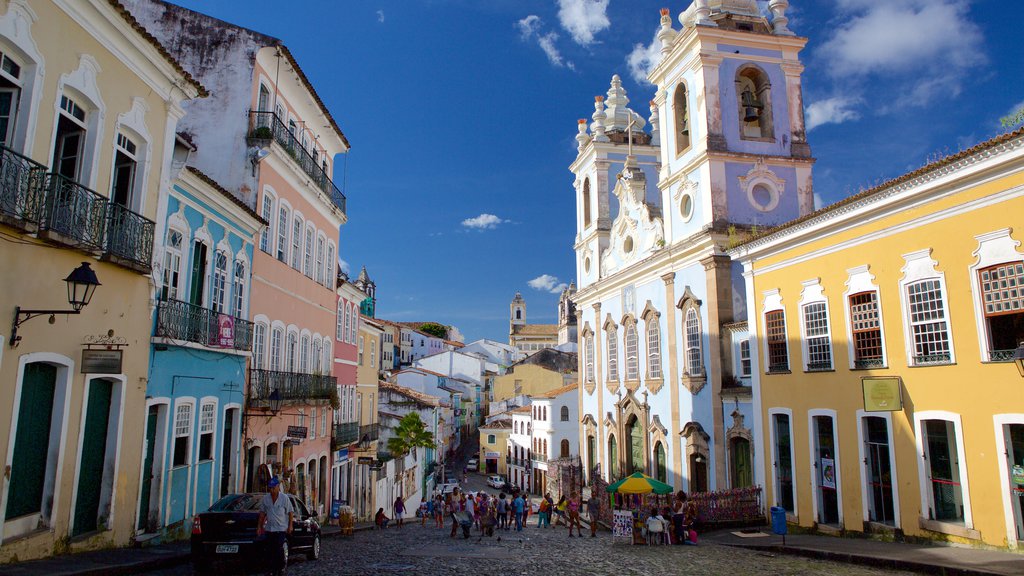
[(276, 515)]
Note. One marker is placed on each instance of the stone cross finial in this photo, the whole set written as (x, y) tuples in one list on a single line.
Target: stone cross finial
[(582, 137)]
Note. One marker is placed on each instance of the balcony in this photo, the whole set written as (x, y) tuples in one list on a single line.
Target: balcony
[(369, 433), (65, 212), (290, 386), (179, 320), (129, 239), (1001, 355), (265, 126), (932, 359), (868, 363), (346, 434), (21, 186)]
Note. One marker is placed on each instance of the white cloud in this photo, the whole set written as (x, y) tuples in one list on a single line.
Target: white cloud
[(529, 29), (583, 18), (483, 222), (547, 283), (643, 59), (380, 15), (344, 266), (932, 44), (818, 201), (835, 110)]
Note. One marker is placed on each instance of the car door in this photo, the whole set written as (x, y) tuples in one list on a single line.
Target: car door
[(301, 534)]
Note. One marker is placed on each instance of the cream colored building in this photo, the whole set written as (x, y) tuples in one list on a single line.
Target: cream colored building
[(367, 401), (536, 374), (94, 102), (494, 455)]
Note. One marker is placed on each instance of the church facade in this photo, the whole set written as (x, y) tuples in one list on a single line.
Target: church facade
[(664, 360)]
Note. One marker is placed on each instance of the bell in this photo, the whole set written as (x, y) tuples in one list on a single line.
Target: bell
[(751, 114)]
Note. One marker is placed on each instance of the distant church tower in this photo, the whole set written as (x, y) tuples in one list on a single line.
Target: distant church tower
[(516, 313), (368, 307), (567, 316)]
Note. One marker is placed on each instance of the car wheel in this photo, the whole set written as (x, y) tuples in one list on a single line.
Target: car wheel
[(314, 551)]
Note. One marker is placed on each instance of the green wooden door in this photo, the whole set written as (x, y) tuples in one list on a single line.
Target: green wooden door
[(147, 468), (198, 274), (227, 455), (28, 472), (94, 452)]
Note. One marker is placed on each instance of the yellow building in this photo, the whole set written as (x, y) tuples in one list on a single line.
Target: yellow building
[(538, 373), (367, 401), (494, 446), (884, 328), (90, 102)]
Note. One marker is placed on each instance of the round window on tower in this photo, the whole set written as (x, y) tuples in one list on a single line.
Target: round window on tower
[(763, 197), (686, 207), (627, 245)]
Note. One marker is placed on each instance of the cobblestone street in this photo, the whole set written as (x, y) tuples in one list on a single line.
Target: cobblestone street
[(429, 551)]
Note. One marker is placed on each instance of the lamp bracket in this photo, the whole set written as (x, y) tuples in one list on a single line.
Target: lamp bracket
[(22, 316)]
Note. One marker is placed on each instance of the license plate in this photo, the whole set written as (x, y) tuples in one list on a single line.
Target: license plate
[(227, 548)]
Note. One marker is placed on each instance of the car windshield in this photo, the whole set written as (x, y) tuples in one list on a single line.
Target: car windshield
[(235, 503)]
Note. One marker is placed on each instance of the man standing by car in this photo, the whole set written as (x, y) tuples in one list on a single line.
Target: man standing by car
[(276, 517)]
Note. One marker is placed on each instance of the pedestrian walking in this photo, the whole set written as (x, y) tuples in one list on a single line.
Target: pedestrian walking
[(544, 513), (518, 505), (399, 510), (573, 510), (439, 511), (275, 522), (593, 512), (560, 519), (502, 511)]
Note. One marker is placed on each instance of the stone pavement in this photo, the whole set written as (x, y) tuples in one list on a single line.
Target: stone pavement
[(946, 560), (428, 551)]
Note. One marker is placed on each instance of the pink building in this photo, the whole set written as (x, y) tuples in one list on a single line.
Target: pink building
[(271, 142), (346, 358)]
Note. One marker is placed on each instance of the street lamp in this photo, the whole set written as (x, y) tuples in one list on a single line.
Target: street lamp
[(275, 401), (82, 283), (1018, 359)]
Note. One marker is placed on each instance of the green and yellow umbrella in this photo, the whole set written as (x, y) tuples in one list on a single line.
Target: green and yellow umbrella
[(639, 483)]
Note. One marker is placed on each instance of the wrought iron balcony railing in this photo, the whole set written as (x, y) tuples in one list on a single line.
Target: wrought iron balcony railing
[(1001, 355), (346, 433), (369, 433), (819, 366), (867, 363), (73, 214), (268, 126), (21, 189), (129, 238), (778, 367), (183, 321), (290, 386), (932, 359)]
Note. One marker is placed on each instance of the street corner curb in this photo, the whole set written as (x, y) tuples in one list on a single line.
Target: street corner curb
[(872, 561)]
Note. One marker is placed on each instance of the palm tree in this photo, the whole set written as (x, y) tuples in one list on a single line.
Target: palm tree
[(410, 433)]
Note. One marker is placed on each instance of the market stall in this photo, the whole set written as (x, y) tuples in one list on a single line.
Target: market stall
[(631, 500)]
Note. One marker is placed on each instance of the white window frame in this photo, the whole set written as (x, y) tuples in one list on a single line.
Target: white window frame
[(291, 351), (277, 336), (612, 347), (268, 213), (312, 424), (814, 294), (792, 458), (319, 269), (316, 355), (994, 248), (922, 467), (355, 321), (862, 457), (307, 266), (219, 281), (238, 286), (340, 334), (284, 220), (920, 267), (693, 344), (298, 225), (860, 279), (773, 302), (653, 332), (329, 267), (180, 431), (259, 337), (632, 360), (304, 351), (745, 372), (173, 258), (348, 323), (207, 409)]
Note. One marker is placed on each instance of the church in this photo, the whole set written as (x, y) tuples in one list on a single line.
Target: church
[(664, 353), (531, 338)]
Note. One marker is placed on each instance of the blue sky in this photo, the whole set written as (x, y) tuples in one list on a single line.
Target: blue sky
[(462, 117)]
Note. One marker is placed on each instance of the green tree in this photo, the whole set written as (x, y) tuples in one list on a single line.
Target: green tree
[(434, 329), (410, 433), (1014, 119)]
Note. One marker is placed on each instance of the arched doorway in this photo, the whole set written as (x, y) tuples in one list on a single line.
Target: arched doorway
[(635, 458), (660, 469), (740, 469), (698, 473)]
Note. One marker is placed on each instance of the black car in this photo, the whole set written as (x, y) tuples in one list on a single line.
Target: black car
[(227, 533)]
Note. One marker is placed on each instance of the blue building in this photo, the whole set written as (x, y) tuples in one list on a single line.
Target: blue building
[(199, 349)]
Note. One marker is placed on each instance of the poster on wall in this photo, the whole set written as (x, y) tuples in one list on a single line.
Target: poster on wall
[(828, 473), (622, 524)]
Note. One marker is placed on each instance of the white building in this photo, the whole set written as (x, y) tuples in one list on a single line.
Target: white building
[(555, 425), (656, 210), (520, 451)]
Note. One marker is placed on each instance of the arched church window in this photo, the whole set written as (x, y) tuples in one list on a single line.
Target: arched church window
[(753, 94), (632, 352), (682, 119), (586, 203)]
